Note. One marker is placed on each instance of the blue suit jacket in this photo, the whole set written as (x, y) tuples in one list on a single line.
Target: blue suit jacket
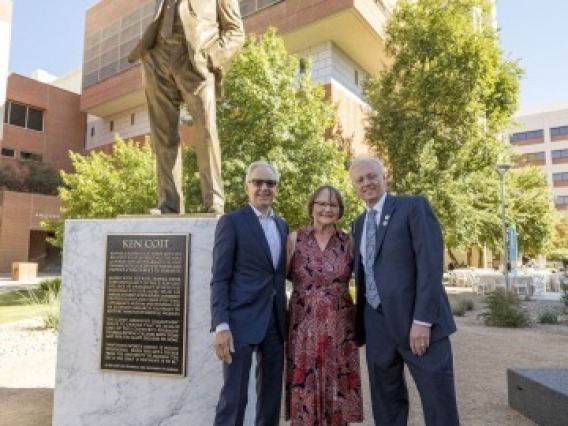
[(245, 285), (408, 270)]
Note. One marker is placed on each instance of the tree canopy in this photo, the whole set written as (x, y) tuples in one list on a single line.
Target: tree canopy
[(271, 113), (105, 186), (440, 110)]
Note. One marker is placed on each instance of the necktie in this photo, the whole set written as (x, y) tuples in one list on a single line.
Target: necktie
[(168, 15), (371, 293)]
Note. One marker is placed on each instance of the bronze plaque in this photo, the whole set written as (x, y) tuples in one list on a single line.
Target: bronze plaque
[(145, 303)]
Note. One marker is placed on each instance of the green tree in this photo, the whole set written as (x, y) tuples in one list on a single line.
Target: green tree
[(439, 110), (270, 113), (105, 186)]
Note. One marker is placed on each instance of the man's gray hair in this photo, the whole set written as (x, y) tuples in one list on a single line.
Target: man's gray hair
[(256, 164), (368, 160)]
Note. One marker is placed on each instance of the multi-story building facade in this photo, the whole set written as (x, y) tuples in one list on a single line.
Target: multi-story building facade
[(541, 137), (42, 123), (343, 38)]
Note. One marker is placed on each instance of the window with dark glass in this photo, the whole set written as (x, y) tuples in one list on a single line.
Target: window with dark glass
[(560, 177), (523, 136), (17, 115), (30, 156), (111, 126), (35, 119), (7, 152), (556, 131), (560, 153), (562, 200), (23, 116)]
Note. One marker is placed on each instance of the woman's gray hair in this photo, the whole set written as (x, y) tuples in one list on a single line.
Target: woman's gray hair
[(256, 164), (368, 160)]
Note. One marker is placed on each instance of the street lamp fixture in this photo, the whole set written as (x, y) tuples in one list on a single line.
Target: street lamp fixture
[(502, 170)]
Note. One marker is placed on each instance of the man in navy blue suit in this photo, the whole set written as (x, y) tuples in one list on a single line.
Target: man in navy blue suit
[(403, 315), (248, 301)]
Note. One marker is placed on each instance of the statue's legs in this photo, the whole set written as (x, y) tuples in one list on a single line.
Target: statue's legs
[(163, 100), (201, 105)]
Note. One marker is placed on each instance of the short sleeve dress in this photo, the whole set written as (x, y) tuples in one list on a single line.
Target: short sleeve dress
[(323, 379)]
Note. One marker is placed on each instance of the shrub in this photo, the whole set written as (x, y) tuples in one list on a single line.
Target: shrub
[(53, 284), (564, 289), (48, 302), (503, 310), (460, 307), (548, 317)]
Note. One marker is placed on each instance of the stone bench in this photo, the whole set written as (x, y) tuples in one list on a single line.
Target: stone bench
[(539, 394)]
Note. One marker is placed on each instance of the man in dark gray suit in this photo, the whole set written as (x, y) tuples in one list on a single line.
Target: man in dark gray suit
[(248, 301), (403, 314), (183, 52)]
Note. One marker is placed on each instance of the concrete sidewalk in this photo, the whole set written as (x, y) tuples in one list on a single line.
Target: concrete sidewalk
[(7, 284)]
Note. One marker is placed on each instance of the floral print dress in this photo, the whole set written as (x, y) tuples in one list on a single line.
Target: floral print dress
[(323, 380)]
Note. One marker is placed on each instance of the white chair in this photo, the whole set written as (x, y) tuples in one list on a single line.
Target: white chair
[(538, 284), (478, 284), (521, 283), (463, 277)]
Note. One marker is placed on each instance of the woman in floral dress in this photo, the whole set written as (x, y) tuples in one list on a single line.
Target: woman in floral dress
[(323, 381)]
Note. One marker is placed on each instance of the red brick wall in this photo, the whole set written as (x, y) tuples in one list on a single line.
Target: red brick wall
[(293, 14), (21, 213), (63, 122)]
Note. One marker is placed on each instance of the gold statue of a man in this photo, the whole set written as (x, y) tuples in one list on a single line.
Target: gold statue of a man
[(183, 52)]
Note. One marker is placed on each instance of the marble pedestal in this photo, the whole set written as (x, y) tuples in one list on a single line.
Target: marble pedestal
[(84, 394)]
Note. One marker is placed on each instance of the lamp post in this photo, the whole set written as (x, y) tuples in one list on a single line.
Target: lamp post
[(502, 169)]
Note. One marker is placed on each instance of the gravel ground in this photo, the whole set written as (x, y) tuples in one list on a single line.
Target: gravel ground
[(481, 355)]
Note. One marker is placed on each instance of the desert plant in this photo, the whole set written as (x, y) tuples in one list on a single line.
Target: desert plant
[(564, 289), (503, 310), (48, 304), (459, 309), (461, 306), (53, 284), (548, 317)]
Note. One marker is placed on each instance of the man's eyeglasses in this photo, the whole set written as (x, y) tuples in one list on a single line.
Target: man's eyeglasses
[(323, 205), (259, 182)]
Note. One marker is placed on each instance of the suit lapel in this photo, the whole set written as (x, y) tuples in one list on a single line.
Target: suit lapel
[(257, 232), (386, 215)]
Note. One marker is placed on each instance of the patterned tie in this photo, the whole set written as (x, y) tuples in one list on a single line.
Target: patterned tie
[(168, 14), (372, 293)]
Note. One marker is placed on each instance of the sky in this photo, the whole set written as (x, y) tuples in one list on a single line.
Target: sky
[(48, 34)]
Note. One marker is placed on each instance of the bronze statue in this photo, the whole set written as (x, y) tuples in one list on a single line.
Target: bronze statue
[(183, 52)]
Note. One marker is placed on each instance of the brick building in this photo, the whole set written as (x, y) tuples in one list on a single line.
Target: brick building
[(343, 38)]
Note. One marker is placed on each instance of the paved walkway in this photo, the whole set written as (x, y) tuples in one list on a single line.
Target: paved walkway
[(7, 284)]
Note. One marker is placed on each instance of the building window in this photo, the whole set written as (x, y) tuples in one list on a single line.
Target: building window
[(534, 157), (24, 116), (111, 126), (561, 200), (523, 136), (302, 65), (557, 131), (7, 152), (560, 179), (93, 131), (558, 154), (30, 156), (132, 119)]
